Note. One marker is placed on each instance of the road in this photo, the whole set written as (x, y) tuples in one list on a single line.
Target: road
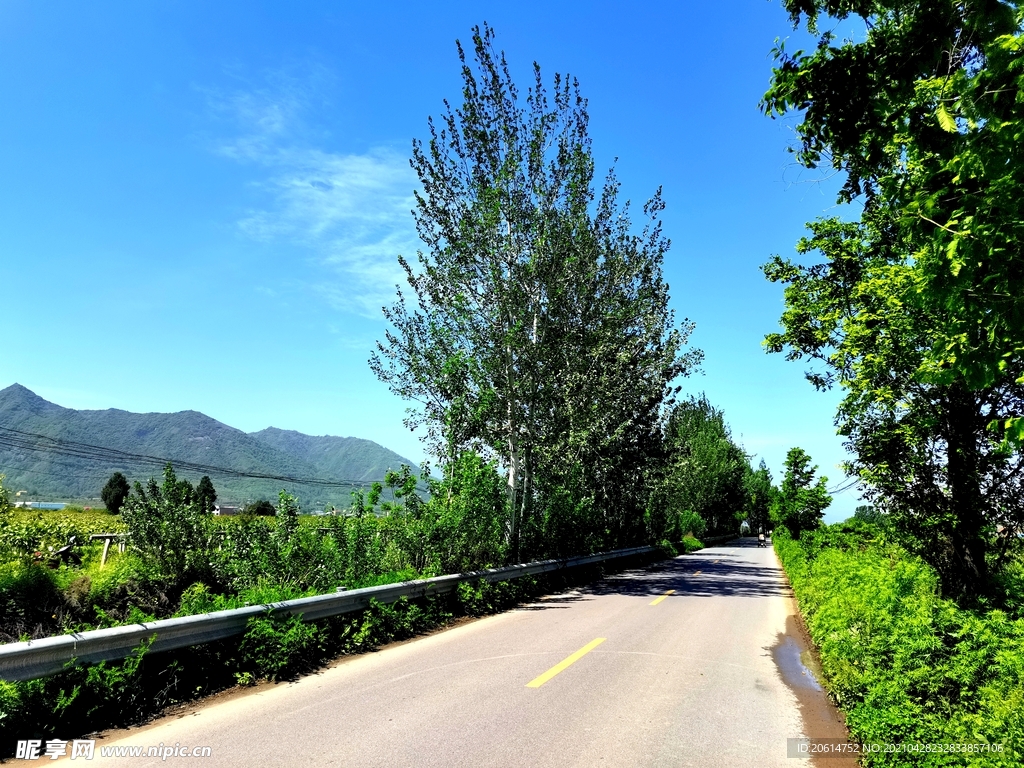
[(690, 662)]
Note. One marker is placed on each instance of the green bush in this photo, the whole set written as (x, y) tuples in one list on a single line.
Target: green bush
[(905, 664), (690, 544)]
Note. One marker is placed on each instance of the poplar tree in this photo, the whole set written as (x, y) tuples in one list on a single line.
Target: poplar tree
[(535, 328)]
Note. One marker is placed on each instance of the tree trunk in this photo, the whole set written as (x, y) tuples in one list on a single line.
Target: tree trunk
[(965, 570)]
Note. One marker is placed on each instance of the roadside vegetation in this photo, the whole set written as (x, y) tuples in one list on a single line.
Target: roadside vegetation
[(910, 303), (180, 560), (907, 666)]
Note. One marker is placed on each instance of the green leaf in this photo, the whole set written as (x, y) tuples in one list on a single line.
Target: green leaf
[(946, 121)]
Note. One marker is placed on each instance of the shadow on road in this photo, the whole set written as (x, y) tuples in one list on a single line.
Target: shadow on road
[(714, 572), (564, 600)]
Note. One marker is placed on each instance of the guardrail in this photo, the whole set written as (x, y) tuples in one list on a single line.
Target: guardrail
[(49, 655)]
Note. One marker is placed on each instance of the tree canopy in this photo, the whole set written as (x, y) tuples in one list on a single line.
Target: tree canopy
[(924, 115), (115, 492), (206, 494), (706, 472), (536, 329), (916, 309), (802, 498)]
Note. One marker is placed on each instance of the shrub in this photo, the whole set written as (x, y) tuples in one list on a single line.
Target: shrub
[(905, 664)]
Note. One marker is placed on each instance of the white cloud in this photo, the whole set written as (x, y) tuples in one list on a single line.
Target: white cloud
[(352, 211)]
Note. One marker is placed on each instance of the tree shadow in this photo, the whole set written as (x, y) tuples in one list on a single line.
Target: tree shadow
[(713, 572), (548, 602)]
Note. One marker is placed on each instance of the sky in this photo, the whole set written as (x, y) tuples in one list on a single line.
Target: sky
[(202, 204)]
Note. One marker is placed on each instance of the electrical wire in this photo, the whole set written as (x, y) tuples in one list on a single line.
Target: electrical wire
[(17, 439)]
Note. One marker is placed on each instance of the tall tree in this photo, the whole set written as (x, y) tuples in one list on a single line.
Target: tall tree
[(923, 112), (802, 499), (921, 447), (115, 492), (918, 310), (760, 495), (706, 469), (206, 494), (537, 330)]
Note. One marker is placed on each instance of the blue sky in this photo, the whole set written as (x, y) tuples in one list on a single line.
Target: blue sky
[(201, 203)]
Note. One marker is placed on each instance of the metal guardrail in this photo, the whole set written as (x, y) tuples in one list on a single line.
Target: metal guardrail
[(49, 655)]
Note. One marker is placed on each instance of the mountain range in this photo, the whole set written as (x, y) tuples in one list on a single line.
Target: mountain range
[(72, 473)]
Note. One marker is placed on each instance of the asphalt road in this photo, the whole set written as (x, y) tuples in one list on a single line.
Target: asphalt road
[(681, 664)]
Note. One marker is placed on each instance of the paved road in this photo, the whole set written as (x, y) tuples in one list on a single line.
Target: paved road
[(608, 675)]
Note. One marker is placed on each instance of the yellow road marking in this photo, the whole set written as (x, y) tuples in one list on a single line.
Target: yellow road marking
[(659, 599), (718, 561), (697, 573), (561, 666)]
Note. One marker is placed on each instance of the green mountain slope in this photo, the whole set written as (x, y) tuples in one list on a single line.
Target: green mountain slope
[(186, 436), (349, 457)]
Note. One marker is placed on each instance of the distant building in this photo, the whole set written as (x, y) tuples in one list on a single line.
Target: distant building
[(226, 509)]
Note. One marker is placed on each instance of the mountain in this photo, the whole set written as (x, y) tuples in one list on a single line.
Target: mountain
[(349, 457), (187, 436)]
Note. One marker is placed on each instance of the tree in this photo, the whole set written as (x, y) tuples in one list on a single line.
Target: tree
[(801, 501), (917, 311), (868, 514), (206, 494), (261, 507), (923, 113), (760, 496), (115, 492), (169, 527), (5, 500), (705, 468), (537, 331), (922, 447)]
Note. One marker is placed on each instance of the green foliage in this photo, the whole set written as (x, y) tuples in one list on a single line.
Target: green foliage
[(5, 501), (206, 494), (557, 366), (924, 114), (469, 514), (922, 448), (705, 472), (115, 492), (691, 544), (31, 534), (29, 596), (761, 495), (259, 507), (274, 647), (801, 501), (168, 525), (916, 310), (906, 665)]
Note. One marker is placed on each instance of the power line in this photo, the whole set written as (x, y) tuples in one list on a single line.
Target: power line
[(841, 488), (29, 441)]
